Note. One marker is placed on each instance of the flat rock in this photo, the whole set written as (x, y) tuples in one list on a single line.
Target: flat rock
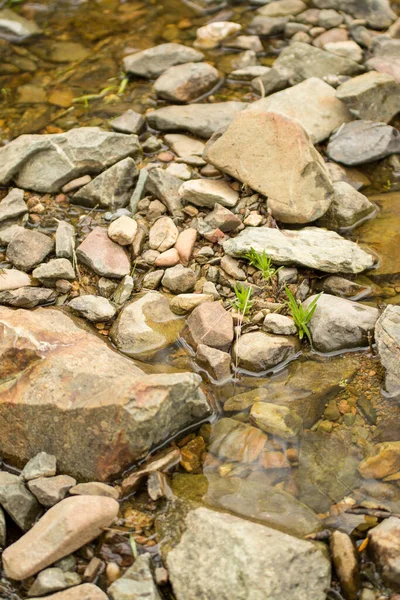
[(70, 372), (50, 490), (258, 351), (377, 13), (45, 163), (222, 218), (86, 591), (339, 324), (210, 324), (199, 119), (66, 527), (268, 563), (15, 28), (13, 205), (12, 279), (345, 558), (235, 441), (347, 48), (104, 256), (208, 193), (93, 308), (187, 82), (129, 122), (183, 145), (17, 501), (309, 247), (94, 488), (146, 326), (283, 145), (348, 208), (27, 297), (182, 304), (111, 189), (136, 583), (41, 465), (152, 62), (56, 268), (387, 335), (216, 362), (362, 142), (28, 248), (372, 96), (282, 8), (313, 103)]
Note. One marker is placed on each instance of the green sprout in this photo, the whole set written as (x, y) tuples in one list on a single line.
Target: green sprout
[(242, 302), (263, 263), (301, 315)]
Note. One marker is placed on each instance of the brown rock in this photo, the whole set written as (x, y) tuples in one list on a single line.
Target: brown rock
[(210, 324), (94, 488), (169, 258), (185, 244), (345, 559), (384, 546), (104, 256), (386, 461), (66, 527), (236, 441), (273, 460), (86, 591)]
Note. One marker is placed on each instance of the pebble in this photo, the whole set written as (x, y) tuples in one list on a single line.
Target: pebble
[(17, 501), (86, 591), (279, 324), (56, 268), (169, 258), (209, 36), (129, 122), (345, 559), (179, 279), (207, 193), (13, 205), (183, 304), (53, 580), (123, 231), (93, 308), (94, 488), (28, 248), (163, 234), (12, 279), (216, 362), (75, 184), (210, 324), (185, 244), (65, 240)]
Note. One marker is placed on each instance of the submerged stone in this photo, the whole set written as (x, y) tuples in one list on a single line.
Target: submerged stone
[(387, 334)]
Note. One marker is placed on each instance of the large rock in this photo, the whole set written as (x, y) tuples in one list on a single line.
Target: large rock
[(185, 83), (65, 528), (384, 547), (146, 326), (347, 209), (28, 297), (28, 248), (377, 13), (363, 142), (257, 147), (340, 324), (45, 163), (152, 62), (372, 96), (258, 562), (258, 351), (15, 28), (199, 119), (64, 391), (104, 256), (309, 247), (387, 335), (313, 103)]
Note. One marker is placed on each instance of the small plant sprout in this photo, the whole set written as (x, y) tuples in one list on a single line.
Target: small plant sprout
[(301, 316), (262, 262), (242, 302)]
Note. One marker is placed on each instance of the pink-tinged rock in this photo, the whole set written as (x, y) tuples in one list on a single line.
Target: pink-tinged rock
[(169, 258), (185, 244), (12, 279), (104, 256), (330, 36), (66, 527), (210, 324), (86, 591)]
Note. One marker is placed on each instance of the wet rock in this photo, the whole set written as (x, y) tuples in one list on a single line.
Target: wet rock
[(267, 563), (249, 73), (377, 14), (28, 248), (328, 468), (13, 205), (282, 8), (12, 279), (165, 187), (208, 193), (310, 247), (348, 207), (385, 57), (384, 462), (199, 119), (50, 490), (279, 324), (27, 297), (313, 103), (41, 465), (338, 286), (136, 583), (345, 560), (179, 279), (268, 26), (210, 324), (258, 351), (363, 142), (303, 197), (86, 591), (17, 501), (15, 28), (276, 420), (152, 62), (163, 234), (236, 441), (185, 83), (384, 547), (216, 362), (56, 268), (185, 303), (53, 580), (66, 527), (92, 308), (123, 230), (209, 36), (387, 335), (129, 122), (94, 488), (145, 326), (44, 163), (222, 218), (340, 324), (104, 256), (70, 373), (162, 462), (372, 96), (65, 240), (111, 189)]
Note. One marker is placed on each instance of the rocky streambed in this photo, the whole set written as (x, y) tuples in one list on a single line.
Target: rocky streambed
[(199, 300)]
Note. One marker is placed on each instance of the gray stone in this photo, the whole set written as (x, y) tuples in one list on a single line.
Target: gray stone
[(56, 268), (86, 591), (27, 297), (154, 61), (282, 8), (216, 362), (208, 193), (28, 248), (17, 501), (65, 240), (339, 324), (257, 351), (165, 187), (179, 279), (313, 103), (372, 96), (377, 13), (309, 247), (347, 209), (184, 145), (44, 163), (200, 119), (129, 122), (136, 583), (349, 49), (329, 18), (362, 142), (279, 324), (41, 465), (258, 562), (268, 26), (7, 232), (13, 205), (53, 580), (111, 189), (123, 291), (273, 80), (232, 268), (249, 73), (245, 42), (387, 335), (15, 28), (50, 490), (187, 82), (104, 256), (276, 420), (93, 308), (257, 147), (384, 548)]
